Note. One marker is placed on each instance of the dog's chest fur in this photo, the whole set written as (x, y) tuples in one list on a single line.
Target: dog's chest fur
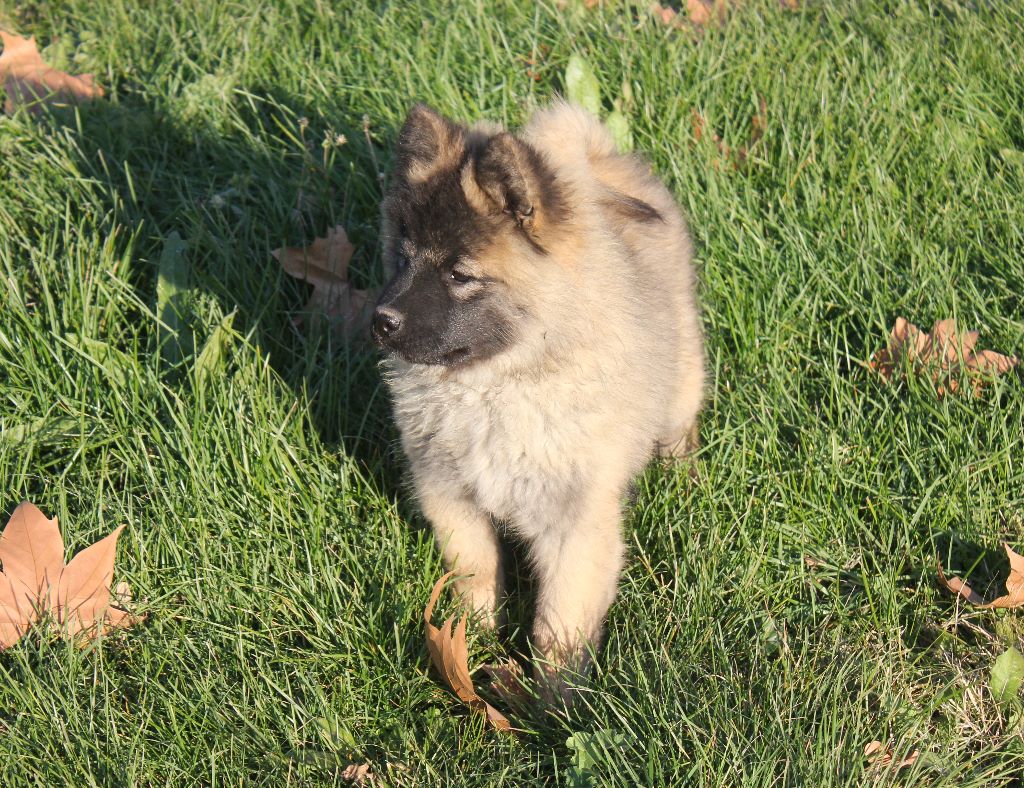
[(510, 448)]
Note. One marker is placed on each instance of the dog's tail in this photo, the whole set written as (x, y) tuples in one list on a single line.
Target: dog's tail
[(568, 128)]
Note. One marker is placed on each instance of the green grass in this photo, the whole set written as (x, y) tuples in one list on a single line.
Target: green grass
[(774, 617)]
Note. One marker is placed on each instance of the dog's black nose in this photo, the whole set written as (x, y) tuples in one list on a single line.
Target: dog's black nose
[(386, 322)]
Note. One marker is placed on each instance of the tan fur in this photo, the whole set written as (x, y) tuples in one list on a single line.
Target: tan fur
[(607, 370)]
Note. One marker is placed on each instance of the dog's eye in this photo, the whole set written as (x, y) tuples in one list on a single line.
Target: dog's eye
[(402, 262), (460, 277)]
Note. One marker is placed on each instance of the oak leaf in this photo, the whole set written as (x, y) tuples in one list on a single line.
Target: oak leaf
[(1014, 596), (324, 264), (450, 657), (30, 81), (943, 354), (35, 582)]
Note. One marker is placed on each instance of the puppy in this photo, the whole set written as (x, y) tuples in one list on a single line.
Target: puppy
[(543, 341)]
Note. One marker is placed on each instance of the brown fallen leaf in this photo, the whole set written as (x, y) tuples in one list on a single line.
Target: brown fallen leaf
[(705, 12), (35, 583), (666, 15), (30, 81), (1014, 596), (943, 354), (699, 14), (450, 655), (359, 774), (324, 264), (880, 757)]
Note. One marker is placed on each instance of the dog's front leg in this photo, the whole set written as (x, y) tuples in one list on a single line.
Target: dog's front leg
[(578, 564), (469, 546)]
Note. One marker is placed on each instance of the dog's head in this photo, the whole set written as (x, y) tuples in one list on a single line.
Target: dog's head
[(465, 222)]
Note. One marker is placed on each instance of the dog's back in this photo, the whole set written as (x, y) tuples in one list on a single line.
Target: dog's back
[(642, 214)]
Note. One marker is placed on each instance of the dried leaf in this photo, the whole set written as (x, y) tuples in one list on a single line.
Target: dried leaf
[(30, 81), (359, 774), (449, 654), (703, 12), (1014, 596), (14, 617), (35, 582), (324, 264), (32, 553), (943, 355), (666, 15), (880, 757), (83, 594)]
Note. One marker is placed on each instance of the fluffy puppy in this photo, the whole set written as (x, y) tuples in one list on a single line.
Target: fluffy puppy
[(543, 342)]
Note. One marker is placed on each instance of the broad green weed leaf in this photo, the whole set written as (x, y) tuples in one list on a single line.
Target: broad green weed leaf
[(44, 430), (112, 361), (212, 355), (1007, 675), (618, 125), (171, 288), (581, 85), (589, 750)]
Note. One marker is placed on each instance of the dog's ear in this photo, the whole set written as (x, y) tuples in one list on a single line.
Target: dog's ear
[(427, 144), (511, 177)]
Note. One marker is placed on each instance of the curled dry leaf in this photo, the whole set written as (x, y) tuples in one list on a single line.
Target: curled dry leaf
[(450, 655), (880, 757), (29, 80), (1014, 596), (943, 354), (324, 264), (35, 582)]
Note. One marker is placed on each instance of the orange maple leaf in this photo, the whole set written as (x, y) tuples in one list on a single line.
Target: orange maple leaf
[(35, 583), (943, 354), (30, 81), (324, 264)]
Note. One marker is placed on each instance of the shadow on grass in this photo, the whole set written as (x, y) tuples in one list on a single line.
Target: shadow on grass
[(233, 194)]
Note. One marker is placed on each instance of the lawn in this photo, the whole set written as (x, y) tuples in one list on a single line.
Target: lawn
[(776, 614)]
